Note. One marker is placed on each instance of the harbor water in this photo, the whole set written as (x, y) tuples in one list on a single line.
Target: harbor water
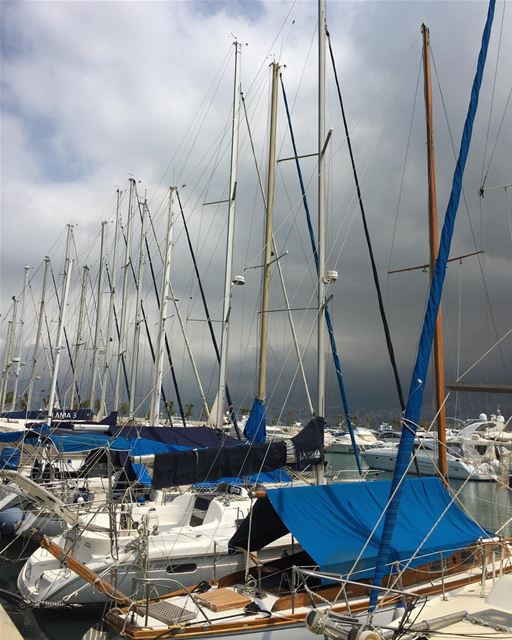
[(487, 502)]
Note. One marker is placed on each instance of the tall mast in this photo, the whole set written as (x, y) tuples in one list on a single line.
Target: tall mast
[(164, 298), (268, 244), (19, 339), (95, 347), (138, 311), (321, 211), (124, 298), (434, 247), (79, 339), (60, 334), (110, 317), (235, 130), (38, 334), (8, 352)]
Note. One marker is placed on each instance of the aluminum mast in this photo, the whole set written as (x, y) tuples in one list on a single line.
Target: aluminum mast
[(164, 299), (235, 130)]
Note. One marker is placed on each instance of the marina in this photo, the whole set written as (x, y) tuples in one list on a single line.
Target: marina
[(184, 448)]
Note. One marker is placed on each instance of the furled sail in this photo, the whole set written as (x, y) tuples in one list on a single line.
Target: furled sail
[(202, 465), (416, 390), (255, 429)]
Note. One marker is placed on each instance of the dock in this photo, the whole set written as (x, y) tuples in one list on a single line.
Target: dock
[(8, 630)]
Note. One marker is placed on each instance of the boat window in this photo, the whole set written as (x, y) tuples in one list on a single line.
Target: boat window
[(456, 450), (199, 511), (189, 567), (485, 425)]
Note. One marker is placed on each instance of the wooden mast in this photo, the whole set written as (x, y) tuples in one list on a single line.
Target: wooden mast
[(434, 246)]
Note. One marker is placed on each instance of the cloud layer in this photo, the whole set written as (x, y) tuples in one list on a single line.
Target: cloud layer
[(93, 93)]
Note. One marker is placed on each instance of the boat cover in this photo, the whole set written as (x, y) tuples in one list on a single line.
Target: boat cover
[(204, 465), (82, 415), (185, 436), (255, 428), (333, 522)]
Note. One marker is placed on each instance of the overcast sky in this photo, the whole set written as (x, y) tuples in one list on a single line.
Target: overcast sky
[(96, 92)]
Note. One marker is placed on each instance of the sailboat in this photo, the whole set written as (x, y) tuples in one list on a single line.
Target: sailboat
[(385, 578)]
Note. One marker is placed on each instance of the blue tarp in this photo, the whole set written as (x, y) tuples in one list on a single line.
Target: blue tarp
[(78, 441), (141, 473), (11, 436), (279, 475), (10, 458), (348, 513), (88, 442), (255, 429)]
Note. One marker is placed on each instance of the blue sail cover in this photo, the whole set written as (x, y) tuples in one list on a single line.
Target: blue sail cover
[(88, 442), (255, 429), (78, 441), (348, 513), (417, 387)]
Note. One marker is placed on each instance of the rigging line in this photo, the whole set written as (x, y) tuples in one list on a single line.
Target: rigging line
[(383, 513), (205, 115), (57, 241), (367, 167), (497, 137), (482, 181), (144, 317), (118, 332), (285, 293), (68, 347), (286, 36), (459, 330), (417, 385), (508, 213), (485, 354), (389, 343), (283, 24), (401, 67), (466, 206), (308, 259), (405, 165), (208, 317), (157, 297), (326, 311), (219, 74)]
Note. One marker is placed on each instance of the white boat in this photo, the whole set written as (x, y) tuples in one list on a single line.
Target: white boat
[(275, 601), (365, 438), (425, 461), (185, 540)]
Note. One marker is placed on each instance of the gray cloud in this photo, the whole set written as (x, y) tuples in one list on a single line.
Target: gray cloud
[(96, 92)]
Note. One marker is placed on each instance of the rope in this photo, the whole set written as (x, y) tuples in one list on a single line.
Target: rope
[(382, 311), (208, 316), (330, 329), (466, 206), (482, 178)]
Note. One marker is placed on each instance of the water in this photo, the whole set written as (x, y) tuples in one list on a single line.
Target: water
[(488, 503)]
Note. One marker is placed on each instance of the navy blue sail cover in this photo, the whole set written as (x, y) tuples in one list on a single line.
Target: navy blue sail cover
[(206, 465), (333, 522)]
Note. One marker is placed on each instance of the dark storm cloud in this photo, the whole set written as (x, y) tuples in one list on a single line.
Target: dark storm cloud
[(79, 120)]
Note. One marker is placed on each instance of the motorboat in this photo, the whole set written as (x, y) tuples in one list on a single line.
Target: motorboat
[(342, 443), (425, 461)]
